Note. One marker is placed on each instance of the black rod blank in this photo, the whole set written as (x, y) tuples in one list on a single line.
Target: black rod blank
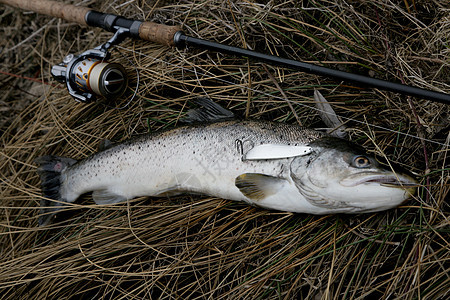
[(181, 39)]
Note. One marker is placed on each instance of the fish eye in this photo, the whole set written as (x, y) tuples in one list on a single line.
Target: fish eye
[(361, 161)]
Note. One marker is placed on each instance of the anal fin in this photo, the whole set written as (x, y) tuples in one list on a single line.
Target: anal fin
[(103, 197)]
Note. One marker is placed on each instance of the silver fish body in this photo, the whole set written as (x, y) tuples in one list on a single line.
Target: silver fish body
[(271, 165), (197, 159)]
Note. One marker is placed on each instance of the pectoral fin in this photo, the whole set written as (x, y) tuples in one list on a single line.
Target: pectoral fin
[(258, 186), (276, 151), (329, 116)]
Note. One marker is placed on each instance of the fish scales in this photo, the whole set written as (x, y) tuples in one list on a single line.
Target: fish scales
[(199, 159), (271, 165)]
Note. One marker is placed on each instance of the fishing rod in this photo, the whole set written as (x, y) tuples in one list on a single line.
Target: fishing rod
[(89, 74)]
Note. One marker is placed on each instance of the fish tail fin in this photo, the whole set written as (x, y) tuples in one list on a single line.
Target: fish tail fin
[(50, 170)]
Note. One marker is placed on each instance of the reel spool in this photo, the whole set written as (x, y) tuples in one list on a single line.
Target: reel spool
[(101, 78), (89, 75)]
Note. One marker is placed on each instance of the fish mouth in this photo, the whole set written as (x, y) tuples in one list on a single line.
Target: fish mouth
[(389, 180)]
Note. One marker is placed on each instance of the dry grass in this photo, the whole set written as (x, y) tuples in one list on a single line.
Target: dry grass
[(197, 247)]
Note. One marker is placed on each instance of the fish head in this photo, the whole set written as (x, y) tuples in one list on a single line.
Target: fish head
[(340, 176)]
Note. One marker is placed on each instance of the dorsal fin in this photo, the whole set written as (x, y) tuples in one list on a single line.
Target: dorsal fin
[(209, 111)]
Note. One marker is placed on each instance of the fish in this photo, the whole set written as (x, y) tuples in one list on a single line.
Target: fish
[(271, 165)]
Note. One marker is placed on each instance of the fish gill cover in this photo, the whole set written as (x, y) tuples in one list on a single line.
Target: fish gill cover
[(196, 247)]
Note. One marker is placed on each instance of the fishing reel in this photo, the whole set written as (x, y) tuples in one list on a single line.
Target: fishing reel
[(89, 74)]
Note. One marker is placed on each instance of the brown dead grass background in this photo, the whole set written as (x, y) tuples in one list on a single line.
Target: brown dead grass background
[(194, 247)]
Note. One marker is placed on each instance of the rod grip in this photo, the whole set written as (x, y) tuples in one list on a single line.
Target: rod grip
[(158, 33), (67, 12)]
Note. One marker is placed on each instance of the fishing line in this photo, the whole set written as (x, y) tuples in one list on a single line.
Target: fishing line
[(212, 76)]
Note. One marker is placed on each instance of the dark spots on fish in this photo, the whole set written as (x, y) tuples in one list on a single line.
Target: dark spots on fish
[(308, 162)]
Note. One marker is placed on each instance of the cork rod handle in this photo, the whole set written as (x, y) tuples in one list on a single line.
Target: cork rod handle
[(158, 33), (149, 31), (67, 12)]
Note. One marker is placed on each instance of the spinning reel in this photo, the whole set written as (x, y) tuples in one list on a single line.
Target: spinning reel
[(89, 74)]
